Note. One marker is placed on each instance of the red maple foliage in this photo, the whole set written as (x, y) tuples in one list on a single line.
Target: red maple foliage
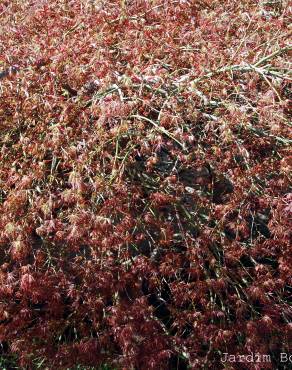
[(144, 183)]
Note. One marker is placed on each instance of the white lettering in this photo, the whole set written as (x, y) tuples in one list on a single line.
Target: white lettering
[(257, 357), (249, 358), (241, 358), (267, 358), (283, 357), (224, 359), (254, 357), (232, 358)]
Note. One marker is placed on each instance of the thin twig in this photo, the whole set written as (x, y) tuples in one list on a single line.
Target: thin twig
[(158, 128), (273, 55)]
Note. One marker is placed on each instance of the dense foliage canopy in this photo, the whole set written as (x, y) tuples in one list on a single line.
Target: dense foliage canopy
[(144, 183)]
